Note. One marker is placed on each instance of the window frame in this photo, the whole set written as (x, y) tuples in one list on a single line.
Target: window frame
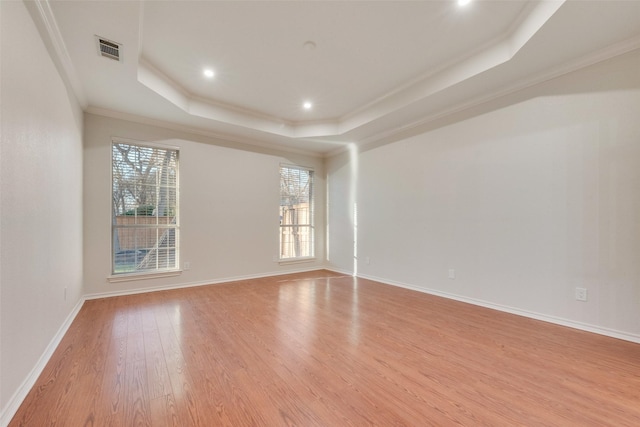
[(145, 273), (310, 225)]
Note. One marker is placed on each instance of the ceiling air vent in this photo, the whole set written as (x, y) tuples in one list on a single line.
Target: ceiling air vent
[(108, 49)]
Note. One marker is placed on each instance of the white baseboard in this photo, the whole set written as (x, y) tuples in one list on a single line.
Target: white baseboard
[(200, 283), (340, 271), (18, 397), (525, 313)]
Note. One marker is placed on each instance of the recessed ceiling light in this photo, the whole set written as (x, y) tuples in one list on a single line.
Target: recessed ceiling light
[(463, 2), (307, 105), (208, 72)]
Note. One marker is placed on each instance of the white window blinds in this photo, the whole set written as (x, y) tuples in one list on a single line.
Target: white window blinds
[(145, 220), (296, 212)]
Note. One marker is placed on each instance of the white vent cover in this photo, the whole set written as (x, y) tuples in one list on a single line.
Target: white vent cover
[(108, 48)]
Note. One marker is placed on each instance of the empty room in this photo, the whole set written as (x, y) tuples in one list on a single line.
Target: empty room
[(320, 213)]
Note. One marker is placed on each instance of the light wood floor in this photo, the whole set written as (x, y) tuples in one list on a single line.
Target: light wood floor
[(319, 349)]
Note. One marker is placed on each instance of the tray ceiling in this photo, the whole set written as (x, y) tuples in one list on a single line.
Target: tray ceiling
[(368, 68)]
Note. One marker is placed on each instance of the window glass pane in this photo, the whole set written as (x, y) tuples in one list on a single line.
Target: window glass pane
[(296, 212), (144, 208)]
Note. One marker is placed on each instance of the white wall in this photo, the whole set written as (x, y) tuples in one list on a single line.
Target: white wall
[(229, 200), (526, 198), (40, 203), (342, 171)]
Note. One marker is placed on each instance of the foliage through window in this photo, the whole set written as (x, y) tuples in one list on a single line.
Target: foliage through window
[(296, 212), (145, 226)]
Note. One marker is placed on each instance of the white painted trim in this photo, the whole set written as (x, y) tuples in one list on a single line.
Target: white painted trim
[(130, 277), (497, 51), (20, 394), (200, 283), (241, 142), (339, 271), (296, 260), (583, 62), (146, 144), (525, 313), (47, 25)]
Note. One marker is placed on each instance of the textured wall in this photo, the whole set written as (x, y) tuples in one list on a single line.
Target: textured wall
[(40, 201), (229, 207), (526, 199)]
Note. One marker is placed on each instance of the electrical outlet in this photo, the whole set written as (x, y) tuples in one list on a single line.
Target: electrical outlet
[(187, 265), (367, 260), (581, 294), (452, 273)]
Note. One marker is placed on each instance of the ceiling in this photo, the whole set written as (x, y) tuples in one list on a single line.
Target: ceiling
[(370, 68)]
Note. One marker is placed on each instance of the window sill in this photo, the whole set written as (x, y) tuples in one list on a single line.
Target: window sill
[(296, 260), (142, 276)]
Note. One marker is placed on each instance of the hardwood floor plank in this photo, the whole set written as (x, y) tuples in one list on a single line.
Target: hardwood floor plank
[(325, 349), (110, 397), (182, 385), (157, 374), (137, 408), (164, 412), (112, 393)]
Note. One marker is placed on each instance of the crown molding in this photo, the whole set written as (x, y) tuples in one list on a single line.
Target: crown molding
[(243, 143), (42, 15), (496, 52), (593, 58)]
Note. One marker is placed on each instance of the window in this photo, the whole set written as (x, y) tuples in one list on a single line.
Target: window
[(296, 212), (145, 221)]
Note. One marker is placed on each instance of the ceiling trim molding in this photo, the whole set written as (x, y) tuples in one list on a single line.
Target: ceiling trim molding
[(42, 15), (607, 53), (492, 54), (148, 75), (248, 144), (154, 79)]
